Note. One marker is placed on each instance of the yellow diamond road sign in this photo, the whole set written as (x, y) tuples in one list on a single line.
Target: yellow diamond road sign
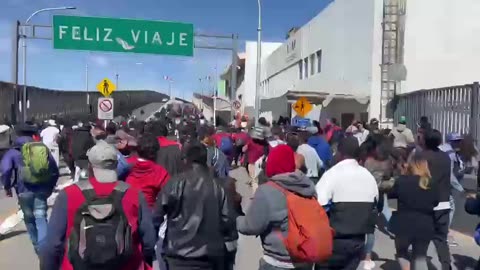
[(106, 87), (302, 107)]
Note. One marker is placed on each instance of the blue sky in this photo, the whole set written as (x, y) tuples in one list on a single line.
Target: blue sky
[(65, 70)]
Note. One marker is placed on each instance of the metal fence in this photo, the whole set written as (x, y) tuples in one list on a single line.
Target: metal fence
[(449, 109), (45, 102)]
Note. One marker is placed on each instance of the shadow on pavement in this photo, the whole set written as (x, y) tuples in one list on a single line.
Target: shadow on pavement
[(462, 262), (11, 235)]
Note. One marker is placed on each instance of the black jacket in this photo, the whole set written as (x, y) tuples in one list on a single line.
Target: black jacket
[(414, 205), (439, 165), (199, 215), (81, 141)]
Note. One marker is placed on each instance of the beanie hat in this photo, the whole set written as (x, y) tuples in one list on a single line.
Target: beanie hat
[(280, 160)]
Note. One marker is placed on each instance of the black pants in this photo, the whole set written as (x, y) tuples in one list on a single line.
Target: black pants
[(237, 154), (440, 238), (419, 248), (347, 254), (217, 263)]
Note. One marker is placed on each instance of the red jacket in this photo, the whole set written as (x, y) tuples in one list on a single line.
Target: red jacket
[(149, 178), (131, 206)]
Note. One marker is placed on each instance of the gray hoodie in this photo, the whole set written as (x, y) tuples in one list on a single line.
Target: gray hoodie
[(268, 213)]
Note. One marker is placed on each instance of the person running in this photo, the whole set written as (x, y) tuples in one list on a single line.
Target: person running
[(267, 216), (350, 193), (439, 164), (35, 175), (313, 163), (69, 246), (198, 214), (146, 175), (402, 136), (416, 201), (49, 138), (318, 141), (377, 149), (255, 149), (169, 156), (452, 147), (82, 140)]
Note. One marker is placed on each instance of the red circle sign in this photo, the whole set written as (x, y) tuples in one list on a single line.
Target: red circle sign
[(105, 105), (237, 104)]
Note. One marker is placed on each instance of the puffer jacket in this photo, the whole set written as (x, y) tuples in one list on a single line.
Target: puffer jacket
[(200, 218)]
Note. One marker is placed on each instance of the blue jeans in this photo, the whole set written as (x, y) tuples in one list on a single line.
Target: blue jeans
[(387, 213), (34, 208)]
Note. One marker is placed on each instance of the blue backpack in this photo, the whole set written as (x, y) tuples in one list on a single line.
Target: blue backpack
[(226, 145)]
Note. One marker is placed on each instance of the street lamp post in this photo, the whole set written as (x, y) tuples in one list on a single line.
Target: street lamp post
[(24, 45), (259, 59)]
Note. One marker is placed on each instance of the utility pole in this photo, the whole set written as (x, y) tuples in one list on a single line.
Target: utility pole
[(15, 96), (259, 62)]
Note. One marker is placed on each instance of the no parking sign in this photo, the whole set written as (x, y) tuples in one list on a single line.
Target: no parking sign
[(105, 108)]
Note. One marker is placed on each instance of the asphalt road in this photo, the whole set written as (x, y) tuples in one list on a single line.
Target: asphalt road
[(16, 251)]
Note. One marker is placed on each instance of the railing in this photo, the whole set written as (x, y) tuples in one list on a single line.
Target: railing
[(449, 109)]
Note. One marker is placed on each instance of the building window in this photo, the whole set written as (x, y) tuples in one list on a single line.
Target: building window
[(305, 62), (300, 69), (319, 61), (312, 64)]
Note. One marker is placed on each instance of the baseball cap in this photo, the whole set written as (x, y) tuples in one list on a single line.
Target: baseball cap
[(403, 120), (103, 159), (454, 137)]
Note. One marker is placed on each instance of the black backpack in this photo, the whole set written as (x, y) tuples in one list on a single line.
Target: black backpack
[(101, 237)]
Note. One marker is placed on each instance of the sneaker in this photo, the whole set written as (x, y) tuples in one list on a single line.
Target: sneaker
[(368, 265)]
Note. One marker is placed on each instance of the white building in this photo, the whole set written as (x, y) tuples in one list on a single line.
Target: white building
[(354, 56)]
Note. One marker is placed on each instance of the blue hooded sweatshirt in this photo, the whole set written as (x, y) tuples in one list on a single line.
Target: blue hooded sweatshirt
[(13, 160), (322, 148)]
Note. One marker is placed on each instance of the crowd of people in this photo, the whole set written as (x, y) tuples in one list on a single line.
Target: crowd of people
[(160, 192)]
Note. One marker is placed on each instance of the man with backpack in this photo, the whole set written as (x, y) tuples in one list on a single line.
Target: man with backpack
[(30, 169), (293, 227), (101, 223)]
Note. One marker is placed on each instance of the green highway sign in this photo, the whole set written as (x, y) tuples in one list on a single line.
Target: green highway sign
[(122, 35)]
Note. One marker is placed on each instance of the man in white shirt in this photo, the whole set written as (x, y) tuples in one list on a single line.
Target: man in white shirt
[(349, 192), (49, 138), (313, 163)]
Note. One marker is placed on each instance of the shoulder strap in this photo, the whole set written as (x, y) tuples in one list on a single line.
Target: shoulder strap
[(87, 190), (84, 185)]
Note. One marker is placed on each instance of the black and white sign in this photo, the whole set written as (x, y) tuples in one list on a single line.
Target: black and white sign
[(236, 105), (105, 108)]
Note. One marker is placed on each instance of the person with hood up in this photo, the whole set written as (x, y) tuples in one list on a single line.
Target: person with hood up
[(32, 197), (146, 175), (267, 214)]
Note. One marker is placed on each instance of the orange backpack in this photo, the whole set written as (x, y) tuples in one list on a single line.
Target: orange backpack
[(310, 237)]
